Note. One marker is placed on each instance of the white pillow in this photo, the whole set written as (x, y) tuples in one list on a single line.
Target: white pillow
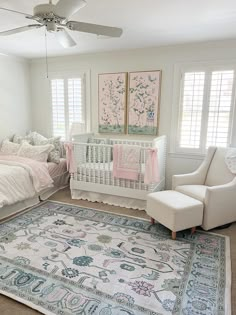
[(36, 137), (36, 152), (9, 147), (20, 139), (230, 160), (55, 154)]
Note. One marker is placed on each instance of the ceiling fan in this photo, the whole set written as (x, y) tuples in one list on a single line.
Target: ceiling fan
[(56, 20)]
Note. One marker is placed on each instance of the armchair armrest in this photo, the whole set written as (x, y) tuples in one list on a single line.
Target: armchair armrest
[(198, 177), (220, 205), (220, 189), (195, 178)]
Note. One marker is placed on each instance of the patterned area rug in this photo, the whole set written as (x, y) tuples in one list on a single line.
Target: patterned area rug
[(64, 259)]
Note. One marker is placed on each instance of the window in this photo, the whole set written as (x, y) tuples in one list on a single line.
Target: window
[(220, 108), (68, 104), (206, 110)]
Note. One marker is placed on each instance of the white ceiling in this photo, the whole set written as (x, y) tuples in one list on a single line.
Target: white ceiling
[(146, 23)]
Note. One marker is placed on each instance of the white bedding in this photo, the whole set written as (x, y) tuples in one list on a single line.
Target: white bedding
[(20, 181)]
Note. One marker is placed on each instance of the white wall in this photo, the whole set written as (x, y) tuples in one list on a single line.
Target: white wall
[(162, 58), (15, 105)]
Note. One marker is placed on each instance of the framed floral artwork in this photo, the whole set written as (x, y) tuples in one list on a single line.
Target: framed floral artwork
[(112, 98), (144, 95)]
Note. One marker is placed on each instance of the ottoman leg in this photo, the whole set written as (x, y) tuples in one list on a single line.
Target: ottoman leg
[(193, 229), (152, 221), (173, 235)]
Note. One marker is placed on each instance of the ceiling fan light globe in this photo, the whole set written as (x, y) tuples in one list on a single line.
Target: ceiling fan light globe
[(51, 26)]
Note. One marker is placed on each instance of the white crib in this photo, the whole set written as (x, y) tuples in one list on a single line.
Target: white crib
[(94, 179)]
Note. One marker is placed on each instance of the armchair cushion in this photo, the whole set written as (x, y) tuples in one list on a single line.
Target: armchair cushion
[(195, 191), (218, 173)]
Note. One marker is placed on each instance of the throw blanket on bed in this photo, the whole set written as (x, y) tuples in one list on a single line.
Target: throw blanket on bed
[(126, 161), (21, 179)]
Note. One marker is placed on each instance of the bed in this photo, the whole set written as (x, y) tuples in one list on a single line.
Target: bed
[(17, 188)]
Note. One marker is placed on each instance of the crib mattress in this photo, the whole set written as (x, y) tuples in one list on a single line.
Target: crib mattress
[(102, 173), (98, 170)]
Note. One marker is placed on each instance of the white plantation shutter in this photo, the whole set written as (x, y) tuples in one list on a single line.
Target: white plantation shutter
[(68, 104), (206, 108), (58, 107), (75, 101), (192, 103), (220, 108)]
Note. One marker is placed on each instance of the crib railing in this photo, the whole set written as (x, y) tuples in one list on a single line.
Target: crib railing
[(95, 163)]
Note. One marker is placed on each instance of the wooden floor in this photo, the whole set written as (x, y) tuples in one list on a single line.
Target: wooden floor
[(11, 307)]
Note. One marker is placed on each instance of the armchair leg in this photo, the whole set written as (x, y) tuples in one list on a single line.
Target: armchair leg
[(173, 234), (193, 229), (152, 221)]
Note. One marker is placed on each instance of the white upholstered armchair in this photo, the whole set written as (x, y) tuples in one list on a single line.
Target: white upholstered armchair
[(214, 185)]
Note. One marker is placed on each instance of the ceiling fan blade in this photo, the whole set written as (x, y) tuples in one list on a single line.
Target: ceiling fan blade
[(65, 39), (66, 8), (13, 11), (94, 29), (20, 29)]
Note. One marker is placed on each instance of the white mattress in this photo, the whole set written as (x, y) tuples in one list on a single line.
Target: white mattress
[(102, 173), (97, 169)]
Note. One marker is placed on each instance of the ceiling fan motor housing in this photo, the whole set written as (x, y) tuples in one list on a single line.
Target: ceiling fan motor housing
[(46, 15)]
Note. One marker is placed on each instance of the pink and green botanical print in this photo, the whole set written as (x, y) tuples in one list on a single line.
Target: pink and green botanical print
[(144, 90), (112, 102)]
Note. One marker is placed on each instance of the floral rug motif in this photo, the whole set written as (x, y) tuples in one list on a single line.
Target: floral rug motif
[(63, 259)]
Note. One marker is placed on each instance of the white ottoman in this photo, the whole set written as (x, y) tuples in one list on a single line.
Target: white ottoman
[(175, 210)]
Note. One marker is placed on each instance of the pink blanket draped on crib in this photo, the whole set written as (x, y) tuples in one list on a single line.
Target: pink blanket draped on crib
[(126, 161), (70, 159), (151, 169)]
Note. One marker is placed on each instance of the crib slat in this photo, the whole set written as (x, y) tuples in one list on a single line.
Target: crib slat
[(109, 165), (99, 164), (140, 169), (93, 149), (89, 164), (103, 164)]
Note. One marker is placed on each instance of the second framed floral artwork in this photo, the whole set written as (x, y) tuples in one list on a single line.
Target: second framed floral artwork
[(144, 94), (112, 96)]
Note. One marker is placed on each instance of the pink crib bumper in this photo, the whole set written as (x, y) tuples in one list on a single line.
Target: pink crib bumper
[(70, 160), (151, 169)]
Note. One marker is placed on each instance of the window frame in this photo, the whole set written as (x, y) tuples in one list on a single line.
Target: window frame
[(65, 75), (208, 68)]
